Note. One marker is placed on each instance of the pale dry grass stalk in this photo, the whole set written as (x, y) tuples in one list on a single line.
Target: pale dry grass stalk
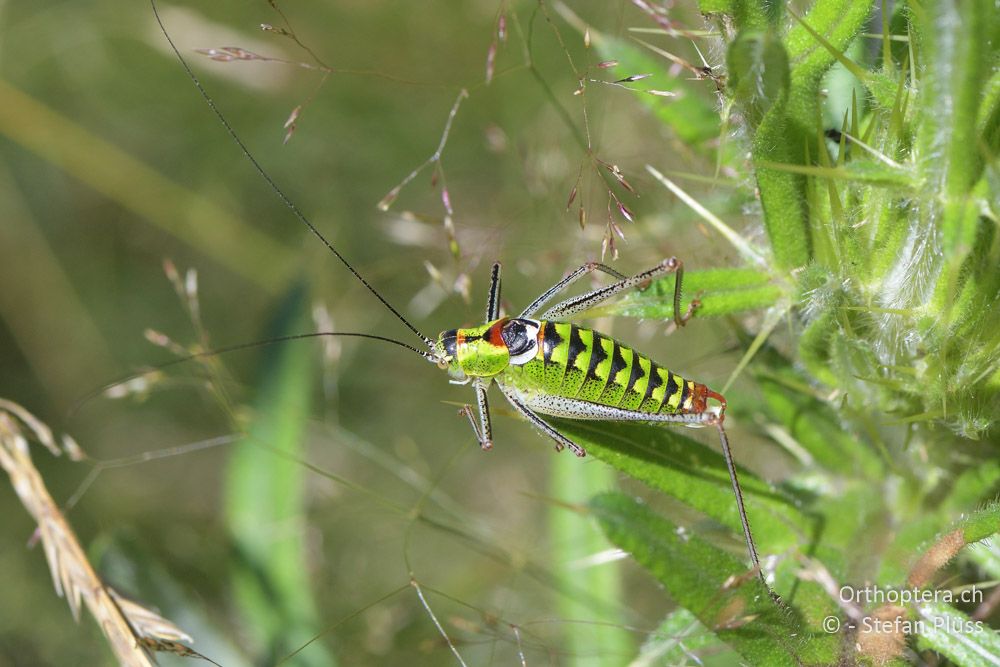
[(131, 629)]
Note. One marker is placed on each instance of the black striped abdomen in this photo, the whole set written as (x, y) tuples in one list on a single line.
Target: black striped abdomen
[(584, 364)]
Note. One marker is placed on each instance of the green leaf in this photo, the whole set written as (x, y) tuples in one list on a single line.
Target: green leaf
[(679, 637), (951, 633), (757, 13), (959, 74), (975, 527), (692, 473), (720, 291), (988, 116), (814, 347), (692, 117), (982, 523), (792, 113), (715, 6), (986, 556), (758, 72), (760, 83), (265, 503), (815, 426), (602, 640), (882, 87), (839, 22), (859, 171), (972, 487), (696, 574)]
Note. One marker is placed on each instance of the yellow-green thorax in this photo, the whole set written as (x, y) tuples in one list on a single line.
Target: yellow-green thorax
[(487, 350)]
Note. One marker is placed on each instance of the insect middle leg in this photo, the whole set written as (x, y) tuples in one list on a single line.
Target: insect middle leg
[(561, 440), (578, 304)]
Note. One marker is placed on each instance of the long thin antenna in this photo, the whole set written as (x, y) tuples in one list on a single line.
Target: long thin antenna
[(236, 348), (274, 186)]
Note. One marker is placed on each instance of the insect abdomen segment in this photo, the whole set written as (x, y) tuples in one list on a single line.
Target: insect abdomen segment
[(579, 363)]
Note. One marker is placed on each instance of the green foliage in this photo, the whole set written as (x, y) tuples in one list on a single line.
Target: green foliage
[(689, 472), (881, 229), (695, 573), (953, 634), (265, 495), (718, 291), (575, 538), (690, 117), (679, 636), (866, 138)]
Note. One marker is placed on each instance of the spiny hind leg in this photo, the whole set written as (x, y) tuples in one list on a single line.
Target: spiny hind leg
[(563, 284), (737, 492), (578, 304), (716, 419), (579, 409), (543, 426), (483, 430)]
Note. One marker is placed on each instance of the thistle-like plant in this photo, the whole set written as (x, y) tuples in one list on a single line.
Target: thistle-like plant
[(873, 157)]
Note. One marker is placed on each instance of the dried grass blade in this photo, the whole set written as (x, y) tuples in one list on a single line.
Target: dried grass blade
[(129, 627)]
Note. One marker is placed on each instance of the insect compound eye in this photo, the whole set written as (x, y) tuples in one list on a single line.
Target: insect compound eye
[(521, 338), (449, 340)]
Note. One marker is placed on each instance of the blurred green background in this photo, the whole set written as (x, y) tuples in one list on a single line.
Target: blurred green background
[(113, 163)]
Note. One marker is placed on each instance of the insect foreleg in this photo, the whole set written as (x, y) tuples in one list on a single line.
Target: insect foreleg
[(493, 302), (484, 430), (566, 282), (578, 304), (561, 440)]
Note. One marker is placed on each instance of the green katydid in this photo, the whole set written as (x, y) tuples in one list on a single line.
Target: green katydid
[(546, 366)]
